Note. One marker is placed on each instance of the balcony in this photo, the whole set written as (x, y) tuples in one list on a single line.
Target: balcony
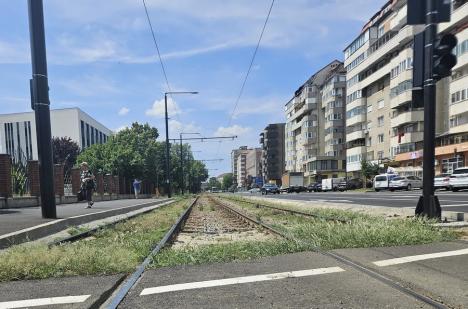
[(407, 117), (458, 108), (356, 119), (355, 135), (405, 75), (356, 151), (401, 99), (356, 103), (409, 137)]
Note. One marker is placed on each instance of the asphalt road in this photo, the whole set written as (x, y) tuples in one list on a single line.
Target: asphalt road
[(450, 201)]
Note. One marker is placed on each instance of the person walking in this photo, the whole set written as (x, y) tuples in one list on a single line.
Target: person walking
[(87, 183), (136, 187)]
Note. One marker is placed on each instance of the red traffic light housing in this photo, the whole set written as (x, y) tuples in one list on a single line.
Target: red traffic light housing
[(444, 60)]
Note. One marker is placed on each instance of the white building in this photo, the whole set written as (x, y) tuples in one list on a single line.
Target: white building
[(18, 131)]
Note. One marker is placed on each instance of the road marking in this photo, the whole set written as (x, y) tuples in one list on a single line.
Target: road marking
[(44, 301), (239, 280), (454, 205), (408, 259)]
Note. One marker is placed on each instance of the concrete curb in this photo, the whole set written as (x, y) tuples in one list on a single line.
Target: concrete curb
[(43, 230)]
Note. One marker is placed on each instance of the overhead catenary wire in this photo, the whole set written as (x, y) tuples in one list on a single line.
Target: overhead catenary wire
[(163, 68), (252, 60)]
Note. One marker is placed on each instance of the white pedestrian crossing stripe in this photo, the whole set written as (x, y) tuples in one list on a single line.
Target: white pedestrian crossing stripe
[(44, 301), (421, 257)]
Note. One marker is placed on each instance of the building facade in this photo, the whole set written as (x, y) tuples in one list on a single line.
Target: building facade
[(452, 108), (272, 160), (18, 131), (312, 125), (236, 165), (246, 165), (253, 167)]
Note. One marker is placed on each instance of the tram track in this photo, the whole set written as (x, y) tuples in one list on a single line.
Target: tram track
[(121, 292)]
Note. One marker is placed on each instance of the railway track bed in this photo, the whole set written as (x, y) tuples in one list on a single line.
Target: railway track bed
[(211, 223)]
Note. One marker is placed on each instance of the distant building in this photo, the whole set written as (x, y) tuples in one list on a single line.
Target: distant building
[(246, 164), (235, 164), (18, 131), (220, 178), (314, 130), (254, 167), (272, 144)]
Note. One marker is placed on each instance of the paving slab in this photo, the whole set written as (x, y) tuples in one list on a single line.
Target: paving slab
[(346, 289), (444, 279), (95, 288)]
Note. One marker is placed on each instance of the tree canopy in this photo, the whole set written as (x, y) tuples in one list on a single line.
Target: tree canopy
[(135, 153), (65, 150)]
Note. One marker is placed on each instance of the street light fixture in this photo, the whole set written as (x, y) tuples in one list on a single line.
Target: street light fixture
[(168, 173)]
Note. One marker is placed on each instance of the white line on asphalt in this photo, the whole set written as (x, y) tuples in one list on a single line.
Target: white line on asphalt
[(44, 301), (454, 205), (239, 280), (414, 258)]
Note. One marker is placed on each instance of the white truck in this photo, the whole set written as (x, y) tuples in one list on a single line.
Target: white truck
[(292, 182), (331, 184)]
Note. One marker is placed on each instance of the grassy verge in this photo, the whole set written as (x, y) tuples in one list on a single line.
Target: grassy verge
[(362, 230), (114, 250)]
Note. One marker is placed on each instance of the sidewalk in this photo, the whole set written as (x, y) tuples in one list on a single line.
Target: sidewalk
[(20, 225)]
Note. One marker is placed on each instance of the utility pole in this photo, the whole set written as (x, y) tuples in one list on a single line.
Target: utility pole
[(168, 164), (437, 64), (40, 104), (202, 139)]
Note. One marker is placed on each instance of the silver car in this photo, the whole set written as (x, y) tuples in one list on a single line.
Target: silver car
[(442, 181), (459, 179), (405, 182)]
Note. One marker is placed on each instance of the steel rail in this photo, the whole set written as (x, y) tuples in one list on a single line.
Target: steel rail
[(90, 232), (296, 212), (357, 266), (118, 296)]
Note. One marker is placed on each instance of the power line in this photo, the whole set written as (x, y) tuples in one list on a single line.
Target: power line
[(251, 64), (160, 58)]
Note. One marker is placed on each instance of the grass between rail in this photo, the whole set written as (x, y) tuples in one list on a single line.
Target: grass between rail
[(360, 232), (117, 249)]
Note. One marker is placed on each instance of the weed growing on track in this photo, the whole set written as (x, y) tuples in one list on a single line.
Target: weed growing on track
[(221, 253), (112, 250), (362, 230)]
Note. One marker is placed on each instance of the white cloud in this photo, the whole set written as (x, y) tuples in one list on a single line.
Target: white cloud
[(176, 127), (123, 111), (234, 130), (121, 128), (158, 110)]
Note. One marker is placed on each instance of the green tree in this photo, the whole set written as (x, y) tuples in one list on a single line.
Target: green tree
[(368, 169), (65, 150), (214, 183), (227, 181)]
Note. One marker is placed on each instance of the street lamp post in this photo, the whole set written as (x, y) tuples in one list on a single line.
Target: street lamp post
[(168, 165), (182, 181)]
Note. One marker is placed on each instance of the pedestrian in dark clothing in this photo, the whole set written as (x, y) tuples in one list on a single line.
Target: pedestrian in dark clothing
[(136, 187), (87, 183)]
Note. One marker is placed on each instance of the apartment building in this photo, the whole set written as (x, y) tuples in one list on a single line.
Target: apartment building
[(381, 121), (246, 164), (18, 133), (272, 145), (452, 107), (234, 162), (314, 117), (253, 167)]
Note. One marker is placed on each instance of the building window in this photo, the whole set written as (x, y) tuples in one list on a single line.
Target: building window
[(88, 138), (380, 155), (381, 104), (369, 108), (380, 121), (83, 143), (380, 138)]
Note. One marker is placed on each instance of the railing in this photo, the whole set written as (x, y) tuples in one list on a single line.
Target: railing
[(19, 174)]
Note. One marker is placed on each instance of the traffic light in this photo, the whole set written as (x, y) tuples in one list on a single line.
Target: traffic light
[(444, 60)]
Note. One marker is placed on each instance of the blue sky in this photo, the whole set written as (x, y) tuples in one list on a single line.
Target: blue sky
[(102, 59)]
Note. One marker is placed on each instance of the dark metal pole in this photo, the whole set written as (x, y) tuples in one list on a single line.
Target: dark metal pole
[(428, 204), (168, 172), (181, 165), (40, 103)]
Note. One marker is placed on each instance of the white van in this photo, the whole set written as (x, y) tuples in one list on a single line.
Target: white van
[(382, 181), (331, 184)]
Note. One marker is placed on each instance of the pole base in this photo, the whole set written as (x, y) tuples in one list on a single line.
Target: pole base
[(429, 206)]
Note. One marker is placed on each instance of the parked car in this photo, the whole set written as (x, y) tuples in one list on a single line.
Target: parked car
[(270, 188), (442, 181), (459, 179), (405, 182), (314, 187), (382, 181), (254, 190)]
